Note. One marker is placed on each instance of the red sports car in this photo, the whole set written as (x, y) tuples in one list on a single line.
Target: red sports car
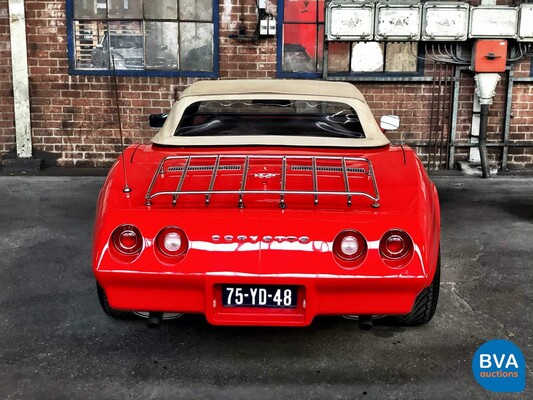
[(268, 202)]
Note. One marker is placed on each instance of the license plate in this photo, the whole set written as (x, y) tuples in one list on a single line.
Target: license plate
[(259, 296)]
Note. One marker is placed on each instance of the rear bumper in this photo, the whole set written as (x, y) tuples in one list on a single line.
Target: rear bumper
[(317, 295)]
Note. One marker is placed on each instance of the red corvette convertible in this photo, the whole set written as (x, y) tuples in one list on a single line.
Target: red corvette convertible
[(268, 202)]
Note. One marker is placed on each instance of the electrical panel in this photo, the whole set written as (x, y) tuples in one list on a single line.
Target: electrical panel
[(452, 21), (267, 26), (445, 21), (489, 55), (493, 22), (350, 21), (398, 21), (525, 23)]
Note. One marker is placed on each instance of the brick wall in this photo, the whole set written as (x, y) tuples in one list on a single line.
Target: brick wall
[(74, 118), (241, 58), (521, 128)]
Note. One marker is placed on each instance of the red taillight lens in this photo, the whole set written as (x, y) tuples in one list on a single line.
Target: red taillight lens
[(395, 245), (172, 241), (349, 245), (127, 239)]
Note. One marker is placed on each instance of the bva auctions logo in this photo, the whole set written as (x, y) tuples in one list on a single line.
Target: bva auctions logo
[(499, 366)]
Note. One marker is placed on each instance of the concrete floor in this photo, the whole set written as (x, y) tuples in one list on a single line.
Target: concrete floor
[(55, 343)]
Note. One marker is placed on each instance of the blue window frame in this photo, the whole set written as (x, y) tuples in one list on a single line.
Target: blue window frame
[(302, 51), (300, 39), (143, 37)]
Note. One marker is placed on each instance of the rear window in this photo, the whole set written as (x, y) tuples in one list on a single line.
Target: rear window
[(270, 117)]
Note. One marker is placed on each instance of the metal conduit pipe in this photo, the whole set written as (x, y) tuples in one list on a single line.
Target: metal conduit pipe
[(483, 123)]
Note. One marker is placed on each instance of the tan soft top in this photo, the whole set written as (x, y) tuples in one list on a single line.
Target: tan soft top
[(316, 89), (271, 89)]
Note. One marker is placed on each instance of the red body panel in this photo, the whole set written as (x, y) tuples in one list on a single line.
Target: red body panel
[(325, 286)]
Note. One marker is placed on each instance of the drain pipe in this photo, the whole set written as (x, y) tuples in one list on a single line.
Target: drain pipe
[(485, 90), (483, 156)]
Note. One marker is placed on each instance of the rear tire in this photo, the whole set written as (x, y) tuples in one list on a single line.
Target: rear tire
[(107, 308), (425, 304)]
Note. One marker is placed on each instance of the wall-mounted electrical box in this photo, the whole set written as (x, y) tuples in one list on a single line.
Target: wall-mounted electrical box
[(412, 20), (267, 26), (525, 23), (493, 22), (398, 21), (445, 21), (489, 56), (349, 21)]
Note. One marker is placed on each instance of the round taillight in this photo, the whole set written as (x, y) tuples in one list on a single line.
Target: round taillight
[(172, 241), (395, 244), (127, 239), (349, 245)]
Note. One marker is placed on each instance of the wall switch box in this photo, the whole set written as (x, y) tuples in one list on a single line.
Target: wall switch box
[(272, 27), (267, 27), (489, 55), (263, 27)]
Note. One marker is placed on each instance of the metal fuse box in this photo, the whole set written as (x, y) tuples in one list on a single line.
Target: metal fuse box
[(398, 22), (445, 21), (493, 22), (349, 21), (489, 55), (525, 25)]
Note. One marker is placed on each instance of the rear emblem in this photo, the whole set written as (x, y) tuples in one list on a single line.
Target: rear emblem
[(265, 175), (255, 239)]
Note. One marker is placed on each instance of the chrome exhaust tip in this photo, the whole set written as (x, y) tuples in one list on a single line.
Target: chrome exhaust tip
[(154, 319), (365, 322)]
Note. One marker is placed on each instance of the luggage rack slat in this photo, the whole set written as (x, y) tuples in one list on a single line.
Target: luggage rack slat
[(243, 181), (283, 182), (182, 179), (346, 182), (344, 171), (212, 182), (315, 180)]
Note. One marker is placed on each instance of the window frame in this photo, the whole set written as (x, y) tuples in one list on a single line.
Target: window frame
[(279, 46), (72, 70), (387, 76)]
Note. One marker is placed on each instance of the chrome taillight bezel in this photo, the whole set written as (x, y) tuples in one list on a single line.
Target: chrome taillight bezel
[(396, 258), (160, 242), (118, 236), (362, 246)]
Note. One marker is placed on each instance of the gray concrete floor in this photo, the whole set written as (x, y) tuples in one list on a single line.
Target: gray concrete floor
[(55, 343)]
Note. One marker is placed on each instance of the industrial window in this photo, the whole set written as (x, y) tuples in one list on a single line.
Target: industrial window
[(302, 48), (143, 37), (302, 39)]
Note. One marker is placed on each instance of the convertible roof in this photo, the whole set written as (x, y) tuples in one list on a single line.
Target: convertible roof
[(273, 86), (271, 89)]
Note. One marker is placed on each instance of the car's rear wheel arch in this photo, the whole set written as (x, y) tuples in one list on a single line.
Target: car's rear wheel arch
[(425, 303), (102, 297)]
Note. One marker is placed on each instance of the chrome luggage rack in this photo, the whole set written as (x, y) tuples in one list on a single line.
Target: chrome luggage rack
[(317, 165)]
